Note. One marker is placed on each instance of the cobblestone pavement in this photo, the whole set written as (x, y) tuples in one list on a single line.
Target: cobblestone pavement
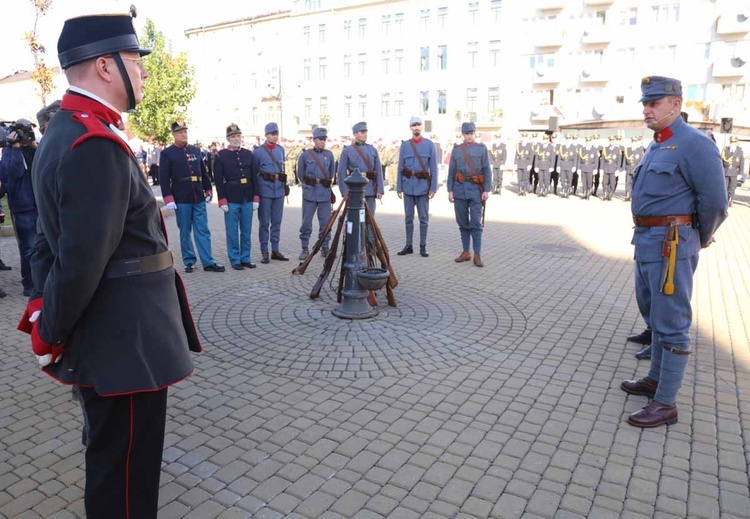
[(486, 393)]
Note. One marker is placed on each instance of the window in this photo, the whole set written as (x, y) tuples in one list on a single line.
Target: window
[(399, 23), (424, 59), (424, 102), (348, 65), (306, 70), (348, 107), (495, 53), (385, 24), (424, 19), (322, 33), (442, 57), (495, 8), (471, 100), (308, 108), (493, 99), (667, 13), (541, 61), (363, 105), (442, 17), (385, 105), (385, 60), (362, 64), (473, 12), (398, 61), (362, 28), (472, 54), (695, 93), (312, 5), (628, 16), (398, 104), (306, 35), (323, 106), (322, 68), (348, 29), (442, 102)]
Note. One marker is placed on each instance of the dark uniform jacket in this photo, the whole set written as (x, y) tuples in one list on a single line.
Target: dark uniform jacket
[(632, 157), (567, 155), (235, 182), (498, 155), (524, 155), (611, 158), (589, 158), (733, 161), (125, 334), (183, 175)]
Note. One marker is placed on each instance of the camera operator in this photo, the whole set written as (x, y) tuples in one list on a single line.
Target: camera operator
[(15, 176)]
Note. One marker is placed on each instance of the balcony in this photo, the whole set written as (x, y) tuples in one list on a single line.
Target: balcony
[(597, 3), (545, 76), (597, 35), (550, 5), (730, 67), (736, 23), (548, 37), (593, 75)]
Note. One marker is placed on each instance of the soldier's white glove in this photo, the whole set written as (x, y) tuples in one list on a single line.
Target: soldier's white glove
[(256, 205), (558, 170), (617, 173), (225, 208), (551, 170), (528, 168), (209, 198), (171, 206)]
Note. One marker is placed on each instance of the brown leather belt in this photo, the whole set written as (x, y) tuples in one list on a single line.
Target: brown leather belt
[(312, 181), (475, 179), (137, 266), (662, 221)]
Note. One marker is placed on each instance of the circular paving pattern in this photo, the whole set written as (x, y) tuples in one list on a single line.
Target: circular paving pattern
[(556, 249), (277, 329)]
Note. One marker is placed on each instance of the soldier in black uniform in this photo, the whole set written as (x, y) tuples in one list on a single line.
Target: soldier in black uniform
[(498, 156), (108, 312)]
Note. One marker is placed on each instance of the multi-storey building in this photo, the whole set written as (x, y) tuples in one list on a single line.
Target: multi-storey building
[(504, 64)]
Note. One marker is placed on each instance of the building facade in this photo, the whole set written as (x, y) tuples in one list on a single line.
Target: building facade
[(505, 65)]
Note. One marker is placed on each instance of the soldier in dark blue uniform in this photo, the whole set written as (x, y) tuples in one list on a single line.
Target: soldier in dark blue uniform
[(316, 173), (611, 161), (524, 161), (679, 201), (416, 183), (271, 183), (186, 189), (544, 165), (498, 156), (567, 162), (114, 317), (588, 156), (733, 160), (632, 157), (469, 184), (365, 157), (235, 187)]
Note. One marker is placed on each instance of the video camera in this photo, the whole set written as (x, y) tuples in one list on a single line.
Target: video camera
[(24, 132)]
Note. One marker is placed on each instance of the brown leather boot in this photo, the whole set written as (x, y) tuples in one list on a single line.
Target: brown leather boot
[(654, 415), (264, 258), (478, 260), (644, 386), (465, 256)]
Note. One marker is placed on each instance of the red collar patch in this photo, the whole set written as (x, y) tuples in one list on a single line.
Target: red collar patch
[(79, 103), (417, 141), (663, 135)]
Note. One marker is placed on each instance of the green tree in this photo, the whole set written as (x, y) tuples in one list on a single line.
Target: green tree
[(42, 75), (168, 91)]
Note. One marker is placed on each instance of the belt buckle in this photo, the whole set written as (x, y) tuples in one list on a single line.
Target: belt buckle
[(194, 179), (243, 181)]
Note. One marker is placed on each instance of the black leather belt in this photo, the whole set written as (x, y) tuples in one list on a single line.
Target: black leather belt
[(237, 181), (137, 266), (187, 179)]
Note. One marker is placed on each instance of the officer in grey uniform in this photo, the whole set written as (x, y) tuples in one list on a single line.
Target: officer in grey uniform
[(544, 165), (469, 185), (364, 157), (270, 179), (733, 160), (611, 160), (416, 183), (498, 156), (524, 161), (588, 162), (632, 157), (567, 161), (679, 201), (316, 173)]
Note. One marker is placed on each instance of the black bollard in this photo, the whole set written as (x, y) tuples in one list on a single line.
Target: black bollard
[(354, 303)]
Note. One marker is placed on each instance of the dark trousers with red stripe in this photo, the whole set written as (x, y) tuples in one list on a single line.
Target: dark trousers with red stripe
[(123, 458)]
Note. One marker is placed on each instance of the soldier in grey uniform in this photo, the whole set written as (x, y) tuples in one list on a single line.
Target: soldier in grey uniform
[(733, 160), (588, 162), (544, 165), (268, 167), (364, 157), (534, 173), (315, 171), (469, 185), (567, 162), (632, 157), (417, 183), (524, 160), (611, 160), (498, 156)]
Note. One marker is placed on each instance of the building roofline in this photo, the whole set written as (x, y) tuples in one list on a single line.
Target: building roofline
[(239, 22)]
